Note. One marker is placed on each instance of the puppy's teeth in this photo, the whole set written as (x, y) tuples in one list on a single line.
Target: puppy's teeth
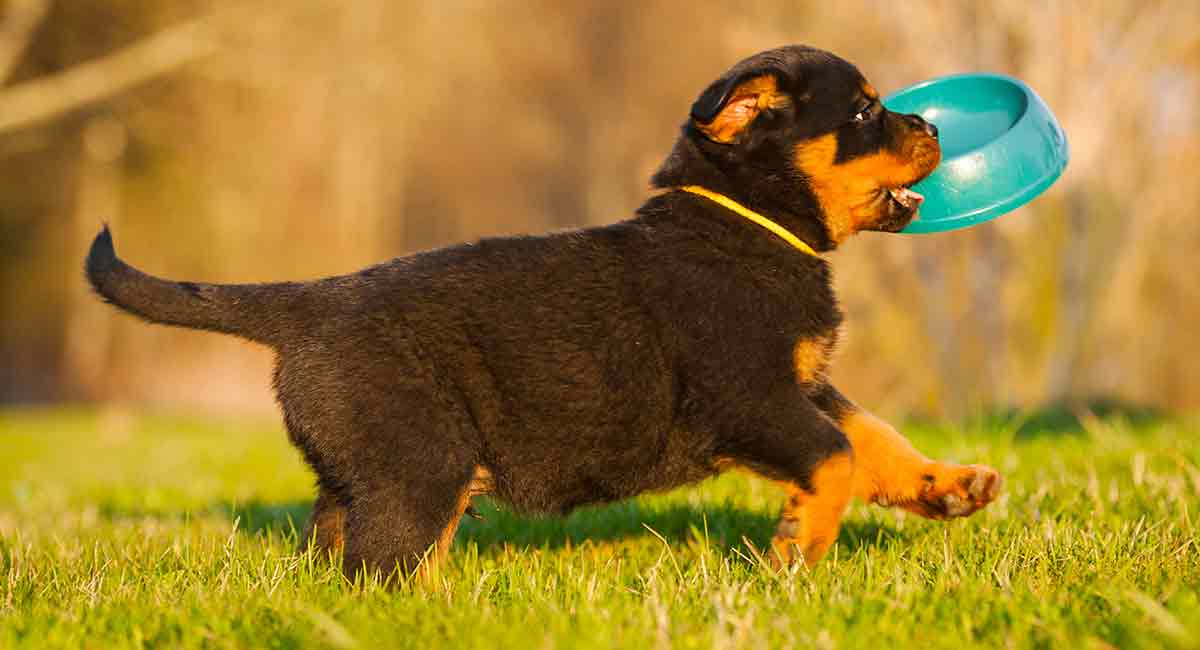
[(906, 197)]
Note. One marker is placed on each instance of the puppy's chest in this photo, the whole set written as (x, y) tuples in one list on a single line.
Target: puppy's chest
[(805, 312), (814, 343), (811, 356)]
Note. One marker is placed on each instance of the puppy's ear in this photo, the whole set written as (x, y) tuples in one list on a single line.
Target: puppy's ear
[(725, 110)]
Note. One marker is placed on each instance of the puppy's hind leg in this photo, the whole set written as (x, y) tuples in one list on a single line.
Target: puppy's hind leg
[(409, 485), (405, 523), (326, 528)]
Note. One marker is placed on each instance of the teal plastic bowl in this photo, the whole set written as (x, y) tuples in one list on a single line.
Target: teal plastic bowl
[(1001, 147)]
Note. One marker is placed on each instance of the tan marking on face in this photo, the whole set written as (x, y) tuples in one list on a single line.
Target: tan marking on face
[(853, 194), (870, 91), (745, 103)]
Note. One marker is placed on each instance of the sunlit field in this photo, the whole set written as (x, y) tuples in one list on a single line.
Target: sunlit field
[(129, 530)]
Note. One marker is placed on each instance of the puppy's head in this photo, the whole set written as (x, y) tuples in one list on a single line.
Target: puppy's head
[(801, 132)]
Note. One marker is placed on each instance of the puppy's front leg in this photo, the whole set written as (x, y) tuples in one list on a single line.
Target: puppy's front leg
[(891, 472), (786, 438)]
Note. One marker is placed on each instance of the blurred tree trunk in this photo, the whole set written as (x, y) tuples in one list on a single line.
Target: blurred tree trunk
[(1073, 304), (20, 21), (988, 274), (324, 131), (98, 196), (40, 99), (358, 157), (941, 326)]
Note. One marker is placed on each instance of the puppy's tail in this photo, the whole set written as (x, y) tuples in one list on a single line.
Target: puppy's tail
[(251, 311)]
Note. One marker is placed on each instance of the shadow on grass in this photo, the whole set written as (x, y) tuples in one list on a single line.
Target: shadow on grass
[(722, 526), (283, 519), (1061, 419), (1073, 419), (254, 517)]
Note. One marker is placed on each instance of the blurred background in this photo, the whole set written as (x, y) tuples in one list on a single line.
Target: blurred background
[(251, 141)]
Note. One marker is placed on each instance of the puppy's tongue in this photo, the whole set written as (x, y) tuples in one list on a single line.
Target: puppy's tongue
[(906, 197)]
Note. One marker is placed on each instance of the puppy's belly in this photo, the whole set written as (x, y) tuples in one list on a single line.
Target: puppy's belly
[(559, 478), (565, 422)]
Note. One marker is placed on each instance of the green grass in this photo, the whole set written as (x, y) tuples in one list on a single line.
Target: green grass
[(128, 530)]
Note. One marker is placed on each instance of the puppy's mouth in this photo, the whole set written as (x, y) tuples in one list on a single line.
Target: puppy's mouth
[(899, 207), (906, 199)]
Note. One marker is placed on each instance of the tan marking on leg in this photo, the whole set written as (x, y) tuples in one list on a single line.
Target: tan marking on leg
[(326, 528), (723, 464), (891, 472), (811, 519), (435, 556), (447, 536), (888, 464), (481, 483)]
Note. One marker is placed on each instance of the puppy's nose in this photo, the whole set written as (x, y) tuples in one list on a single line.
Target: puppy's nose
[(919, 122)]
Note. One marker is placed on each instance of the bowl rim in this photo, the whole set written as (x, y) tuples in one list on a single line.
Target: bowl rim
[(1022, 194), (1026, 92), (992, 210)]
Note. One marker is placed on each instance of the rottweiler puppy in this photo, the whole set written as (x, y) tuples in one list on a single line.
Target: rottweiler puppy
[(593, 365)]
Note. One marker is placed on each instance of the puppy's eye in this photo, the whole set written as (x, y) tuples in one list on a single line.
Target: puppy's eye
[(863, 115)]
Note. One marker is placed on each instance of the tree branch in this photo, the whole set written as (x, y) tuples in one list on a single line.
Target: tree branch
[(45, 98), (17, 30)]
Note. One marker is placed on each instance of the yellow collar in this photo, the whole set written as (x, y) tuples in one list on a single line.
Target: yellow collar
[(757, 218)]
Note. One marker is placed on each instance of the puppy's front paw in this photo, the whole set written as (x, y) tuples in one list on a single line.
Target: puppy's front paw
[(956, 490)]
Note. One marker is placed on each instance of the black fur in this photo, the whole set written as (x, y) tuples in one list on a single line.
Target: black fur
[(576, 367), (264, 313)]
